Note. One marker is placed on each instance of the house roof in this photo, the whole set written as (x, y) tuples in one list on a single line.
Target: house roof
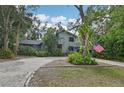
[(30, 42), (67, 33)]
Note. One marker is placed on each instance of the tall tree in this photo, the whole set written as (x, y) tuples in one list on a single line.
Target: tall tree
[(84, 36), (92, 13), (113, 40), (50, 40), (23, 22), (6, 13)]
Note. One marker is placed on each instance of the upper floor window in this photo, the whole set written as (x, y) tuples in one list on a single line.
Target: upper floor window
[(71, 39)]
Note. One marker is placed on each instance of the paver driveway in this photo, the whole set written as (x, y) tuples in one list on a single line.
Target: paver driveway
[(15, 73)]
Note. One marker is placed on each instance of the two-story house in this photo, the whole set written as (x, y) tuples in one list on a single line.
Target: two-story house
[(67, 41)]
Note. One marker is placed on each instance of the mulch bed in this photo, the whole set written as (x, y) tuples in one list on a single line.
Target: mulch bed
[(62, 63), (13, 59)]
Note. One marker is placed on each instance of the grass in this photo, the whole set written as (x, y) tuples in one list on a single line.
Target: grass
[(91, 77), (81, 77)]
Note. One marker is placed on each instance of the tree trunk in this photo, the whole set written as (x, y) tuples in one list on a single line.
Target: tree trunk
[(6, 20), (85, 52), (85, 37), (5, 34), (5, 40), (17, 38)]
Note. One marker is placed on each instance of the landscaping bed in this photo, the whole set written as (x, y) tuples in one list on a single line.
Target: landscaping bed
[(62, 74), (13, 59)]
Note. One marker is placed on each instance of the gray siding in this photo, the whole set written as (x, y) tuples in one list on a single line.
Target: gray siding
[(64, 40)]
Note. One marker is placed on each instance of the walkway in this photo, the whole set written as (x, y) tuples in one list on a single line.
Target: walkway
[(15, 73), (111, 62)]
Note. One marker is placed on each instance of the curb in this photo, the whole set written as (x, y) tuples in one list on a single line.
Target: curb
[(29, 76)]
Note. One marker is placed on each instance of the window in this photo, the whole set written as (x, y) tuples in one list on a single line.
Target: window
[(71, 48), (71, 39), (59, 46)]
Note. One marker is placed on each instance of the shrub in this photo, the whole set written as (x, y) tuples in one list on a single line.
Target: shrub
[(88, 61), (105, 55), (78, 59), (57, 52), (4, 54), (75, 58), (30, 51), (27, 50), (42, 53), (46, 53), (113, 43)]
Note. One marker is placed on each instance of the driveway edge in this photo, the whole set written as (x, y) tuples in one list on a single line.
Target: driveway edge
[(29, 76)]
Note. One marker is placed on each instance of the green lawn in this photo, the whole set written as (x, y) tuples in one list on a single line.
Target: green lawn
[(79, 77)]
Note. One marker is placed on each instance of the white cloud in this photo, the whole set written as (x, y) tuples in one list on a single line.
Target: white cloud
[(57, 19), (49, 25), (72, 20), (52, 21), (43, 17), (42, 24)]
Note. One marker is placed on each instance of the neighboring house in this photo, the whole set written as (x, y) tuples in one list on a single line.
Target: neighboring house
[(33, 43), (68, 42)]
